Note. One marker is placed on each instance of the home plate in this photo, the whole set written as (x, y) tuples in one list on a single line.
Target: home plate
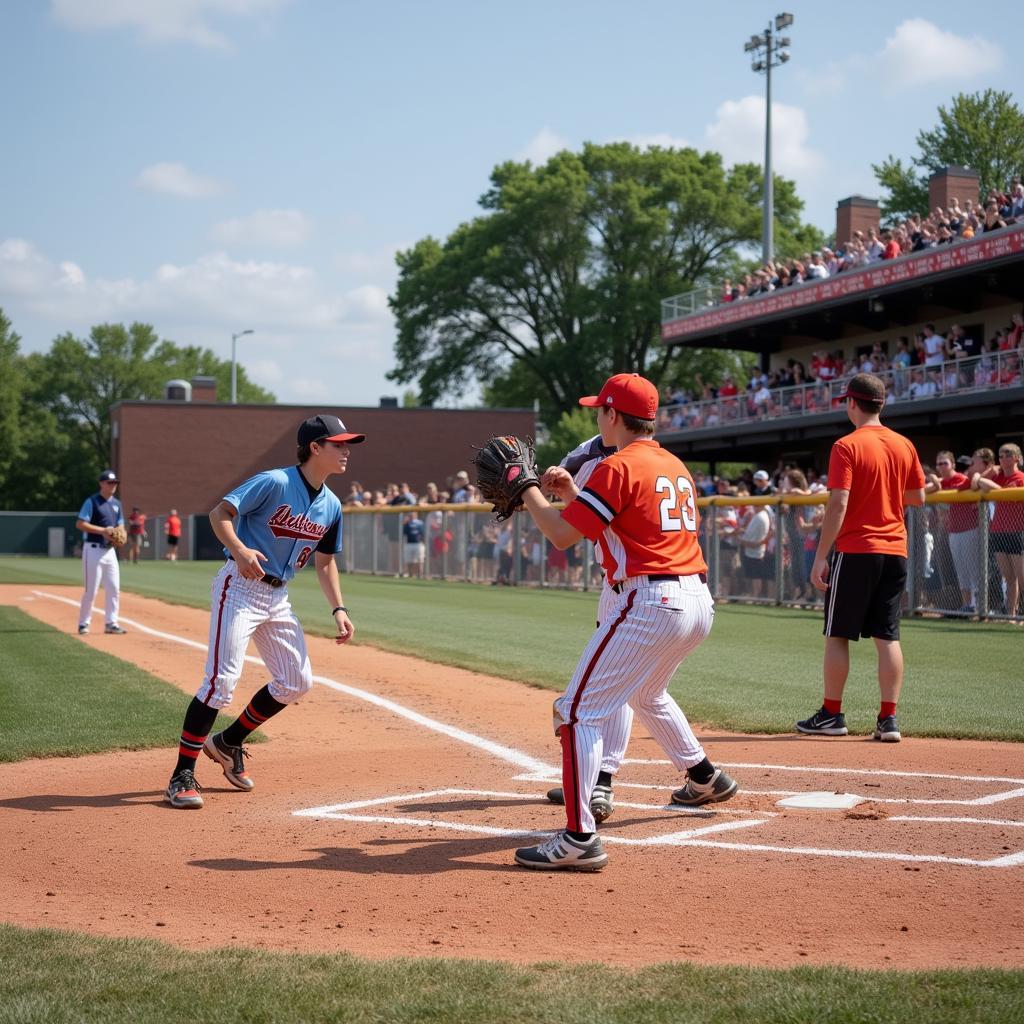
[(822, 801)]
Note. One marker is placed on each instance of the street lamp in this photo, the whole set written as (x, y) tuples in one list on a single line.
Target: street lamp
[(768, 52), (234, 365)]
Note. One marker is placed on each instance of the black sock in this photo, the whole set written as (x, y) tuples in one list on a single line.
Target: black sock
[(257, 711), (701, 773), (580, 837), (604, 779), (199, 721)]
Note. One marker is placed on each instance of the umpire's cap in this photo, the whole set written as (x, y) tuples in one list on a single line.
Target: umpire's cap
[(326, 428), (108, 476)]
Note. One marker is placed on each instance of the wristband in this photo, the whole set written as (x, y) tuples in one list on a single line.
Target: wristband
[(340, 608)]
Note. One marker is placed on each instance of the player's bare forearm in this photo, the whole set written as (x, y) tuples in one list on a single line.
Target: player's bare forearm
[(330, 584), (549, 521)]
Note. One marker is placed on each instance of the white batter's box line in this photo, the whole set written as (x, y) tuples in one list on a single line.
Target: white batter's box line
[(343, 812), (1001, 823), (843, 771), (981, 801), (510, 755)]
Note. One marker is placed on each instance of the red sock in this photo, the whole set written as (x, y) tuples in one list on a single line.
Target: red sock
[(833, 707), (888, 708)]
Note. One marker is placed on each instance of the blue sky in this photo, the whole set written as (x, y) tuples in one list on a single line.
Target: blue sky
[(214, 165)]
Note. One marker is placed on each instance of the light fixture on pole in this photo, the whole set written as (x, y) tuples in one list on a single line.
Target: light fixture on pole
[(234, 365), (768, 52)]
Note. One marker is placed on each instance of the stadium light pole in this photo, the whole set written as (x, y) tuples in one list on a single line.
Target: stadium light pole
[(768, 52), (234, 365)]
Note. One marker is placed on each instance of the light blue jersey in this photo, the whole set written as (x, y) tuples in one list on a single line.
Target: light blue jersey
[(281, 516)]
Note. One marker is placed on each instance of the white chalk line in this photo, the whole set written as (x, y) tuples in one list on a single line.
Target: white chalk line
[(539, 770)]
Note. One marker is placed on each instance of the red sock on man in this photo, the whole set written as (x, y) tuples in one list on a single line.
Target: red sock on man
[(833, 707), (888, 708)]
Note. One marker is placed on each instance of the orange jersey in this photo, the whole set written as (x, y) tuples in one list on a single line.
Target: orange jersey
[(640, 502), (876, 465)]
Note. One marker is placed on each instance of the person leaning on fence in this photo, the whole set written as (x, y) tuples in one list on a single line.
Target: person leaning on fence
[(873, 474), (961, 528), (1007, 529)]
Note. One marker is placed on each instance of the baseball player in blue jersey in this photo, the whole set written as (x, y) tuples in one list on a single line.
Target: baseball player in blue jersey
[(97, 517), (270, 526)]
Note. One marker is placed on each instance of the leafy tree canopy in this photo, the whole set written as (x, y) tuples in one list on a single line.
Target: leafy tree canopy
[(983, 131), (559, 282), (63, 398)]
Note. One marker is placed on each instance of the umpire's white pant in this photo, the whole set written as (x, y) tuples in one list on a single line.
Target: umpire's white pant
[(100, 565)]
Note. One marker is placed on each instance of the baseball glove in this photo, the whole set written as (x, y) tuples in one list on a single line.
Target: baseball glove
[(506, 467), (118, 536)]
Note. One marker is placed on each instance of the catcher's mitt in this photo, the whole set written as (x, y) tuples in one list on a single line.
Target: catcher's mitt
[(505, 468), (118, 536)]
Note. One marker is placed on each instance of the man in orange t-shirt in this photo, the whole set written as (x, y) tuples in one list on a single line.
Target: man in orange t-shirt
[(873, 474), (640, 502)]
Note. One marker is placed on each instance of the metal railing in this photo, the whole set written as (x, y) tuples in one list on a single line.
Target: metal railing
[(946, 560), (990, 371)]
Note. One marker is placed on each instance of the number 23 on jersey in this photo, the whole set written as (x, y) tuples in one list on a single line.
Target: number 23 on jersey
[(678, 508)]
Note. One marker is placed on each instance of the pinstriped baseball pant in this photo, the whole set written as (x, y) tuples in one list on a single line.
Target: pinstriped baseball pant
[(617, 727), (244, 610), (631, 658)]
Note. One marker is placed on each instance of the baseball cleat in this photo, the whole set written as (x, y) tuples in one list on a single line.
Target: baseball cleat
[(561, 852), (183, 790), (721, 787), (602, 802), (824, 723), (887, 730), (115, 629), (231, 759), (83, 630)]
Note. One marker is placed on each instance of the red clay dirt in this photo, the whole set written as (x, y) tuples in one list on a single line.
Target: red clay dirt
[(87, 843)]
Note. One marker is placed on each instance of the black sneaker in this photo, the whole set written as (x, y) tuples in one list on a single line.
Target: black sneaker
[(115, 629), (183, 790), (824, 723), (231, 759), (602, 801), (887, 730), (563, 852), (721, 787), (83, 630)]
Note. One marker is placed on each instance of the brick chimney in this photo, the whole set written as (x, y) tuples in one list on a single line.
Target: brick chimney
[(204, 389), (857, 213), (960, 183)]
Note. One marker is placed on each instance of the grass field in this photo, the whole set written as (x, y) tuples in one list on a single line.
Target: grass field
[(64, 977), (61, 698), (759, 670)]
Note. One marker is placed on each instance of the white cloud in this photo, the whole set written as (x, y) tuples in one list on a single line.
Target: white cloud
[(738, 134), (276, 228), (175, 179), (373, 262), (920, 52), (160, 20), (312, 341), (544, 145)]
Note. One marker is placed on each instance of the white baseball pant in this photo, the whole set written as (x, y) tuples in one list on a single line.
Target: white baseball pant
[(242, 610), (631, 658), (618, 726), (100, 565)]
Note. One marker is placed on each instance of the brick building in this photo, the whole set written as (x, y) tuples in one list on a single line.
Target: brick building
[(188, 454)]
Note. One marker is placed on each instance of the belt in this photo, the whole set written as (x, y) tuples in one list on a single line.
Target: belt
[(273, 581), (659, 578), (97, 543)]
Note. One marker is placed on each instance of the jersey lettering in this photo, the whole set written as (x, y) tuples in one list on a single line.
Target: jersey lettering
[(671, 505), (283, 524)]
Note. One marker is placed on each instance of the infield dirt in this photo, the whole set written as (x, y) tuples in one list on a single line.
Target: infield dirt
[(88, 844)]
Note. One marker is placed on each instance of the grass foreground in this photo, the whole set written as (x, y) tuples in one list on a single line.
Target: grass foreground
[(52, 976)]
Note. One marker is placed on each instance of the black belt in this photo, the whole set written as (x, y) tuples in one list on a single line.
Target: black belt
[(659, 578), (273, 581), (97, 543)]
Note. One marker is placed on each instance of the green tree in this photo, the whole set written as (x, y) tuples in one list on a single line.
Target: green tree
[(983, 131), (559, 282), (10, 399)]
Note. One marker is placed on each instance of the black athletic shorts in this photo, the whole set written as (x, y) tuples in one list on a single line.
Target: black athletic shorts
[(172, 542), (1006, 543), (864, 596)]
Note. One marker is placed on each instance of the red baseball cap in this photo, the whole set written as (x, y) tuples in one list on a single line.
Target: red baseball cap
[(629, 393)]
